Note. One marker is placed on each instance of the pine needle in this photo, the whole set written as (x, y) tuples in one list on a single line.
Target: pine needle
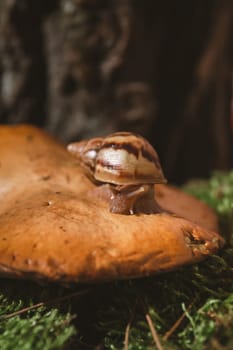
[(41, 304), (177, 323), (126, 340), (153, 332)]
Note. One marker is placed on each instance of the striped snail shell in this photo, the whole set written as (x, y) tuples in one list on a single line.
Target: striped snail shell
[(122, 158)]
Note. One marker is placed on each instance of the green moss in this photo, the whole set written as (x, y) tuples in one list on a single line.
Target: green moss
[(37, 329), (210, 326), (203, 293), (218, 194), (42, 330)]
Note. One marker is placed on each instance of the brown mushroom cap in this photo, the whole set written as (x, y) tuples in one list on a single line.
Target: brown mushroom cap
[(51, 229), (184, 205)]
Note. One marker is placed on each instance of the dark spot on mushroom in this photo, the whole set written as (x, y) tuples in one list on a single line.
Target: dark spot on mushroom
[(34, 245), (52, 263), (48, 203), (13, 258), (57, 192), (29, 138), (66, 241), (4, 239), (45, 177), (68, 178)]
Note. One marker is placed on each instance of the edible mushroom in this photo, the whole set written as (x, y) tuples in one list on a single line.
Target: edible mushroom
[(55, 226)]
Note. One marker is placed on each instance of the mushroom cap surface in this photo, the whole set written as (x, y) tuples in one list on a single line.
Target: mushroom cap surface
[(53, 227)]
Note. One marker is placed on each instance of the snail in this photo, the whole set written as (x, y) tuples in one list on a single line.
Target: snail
[(128, 165)]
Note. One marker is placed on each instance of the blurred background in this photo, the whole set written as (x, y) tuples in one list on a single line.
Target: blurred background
[(82, 68)]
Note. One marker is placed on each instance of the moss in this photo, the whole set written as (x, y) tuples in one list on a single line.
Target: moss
[(218, 194), (40, 329), (105, 315), (211, 326)]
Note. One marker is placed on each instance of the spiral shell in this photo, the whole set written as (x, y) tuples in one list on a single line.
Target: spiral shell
[(121, 158), (125, 158)]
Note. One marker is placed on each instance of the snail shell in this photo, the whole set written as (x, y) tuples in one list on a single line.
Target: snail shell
[(121, 158)]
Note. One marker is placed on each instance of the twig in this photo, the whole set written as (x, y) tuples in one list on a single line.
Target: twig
[(126, 340), (151, 326), (43, 303), (177, 323), (153, 332)]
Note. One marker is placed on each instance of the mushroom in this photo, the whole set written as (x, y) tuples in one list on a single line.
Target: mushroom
[(55, 226), (128, 164)]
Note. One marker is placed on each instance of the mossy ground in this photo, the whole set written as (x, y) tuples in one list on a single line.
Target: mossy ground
[(197, 299)]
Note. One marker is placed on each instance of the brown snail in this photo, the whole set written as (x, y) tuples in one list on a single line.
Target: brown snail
[(128, 164)]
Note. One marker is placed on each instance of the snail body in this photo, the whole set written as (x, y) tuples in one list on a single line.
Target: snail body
[(125, 161)]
